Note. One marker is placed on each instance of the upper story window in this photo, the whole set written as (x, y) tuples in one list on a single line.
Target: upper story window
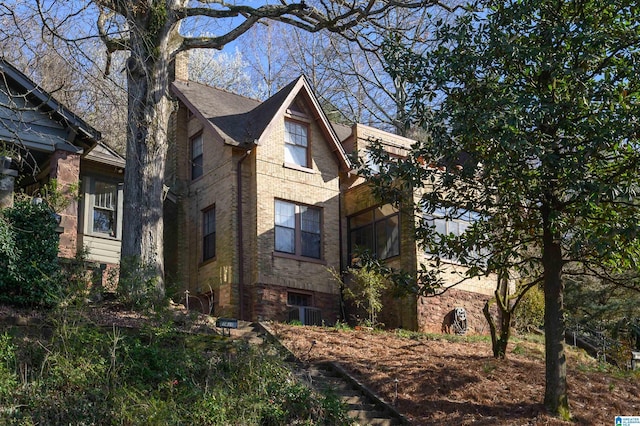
[(454, 222), (298, 229), (196, 156), (208, 234), (296, 143), (377, 231)]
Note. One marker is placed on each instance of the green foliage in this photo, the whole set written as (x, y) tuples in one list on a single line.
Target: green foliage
[(364, 287), (138, 284), (530, 312), (84, 374), (29, 231), (57, 198)]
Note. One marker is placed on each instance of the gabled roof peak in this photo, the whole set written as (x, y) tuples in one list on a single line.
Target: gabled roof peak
[(240, 121)]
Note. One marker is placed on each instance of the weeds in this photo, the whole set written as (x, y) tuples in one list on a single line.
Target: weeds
[(84, 374)]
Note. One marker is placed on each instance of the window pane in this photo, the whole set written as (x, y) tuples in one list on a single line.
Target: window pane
[(361, 219), (381, 240), (393, 236), (285, 214), (310, 219), (196, 157), (196, 146), (103, 221), (209, 247), (105, 195), (441, 226), (295, 133), (295, 155), (209, 234), (196, 167), (310, 244), (383, 211), (285, 239), (362, 238), (298, 299)]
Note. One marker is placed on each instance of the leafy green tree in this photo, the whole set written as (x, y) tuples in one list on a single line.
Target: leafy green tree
[(538, 134)]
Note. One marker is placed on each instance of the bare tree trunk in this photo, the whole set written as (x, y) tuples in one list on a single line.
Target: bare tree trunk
[(555, 397), (500, 337), (147, 141)]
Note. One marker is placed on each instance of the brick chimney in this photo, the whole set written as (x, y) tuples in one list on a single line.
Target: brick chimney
[(181, 66)]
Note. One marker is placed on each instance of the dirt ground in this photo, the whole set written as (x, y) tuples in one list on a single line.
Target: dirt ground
[(459, 383)]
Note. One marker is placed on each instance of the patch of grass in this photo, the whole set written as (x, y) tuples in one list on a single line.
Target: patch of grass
[(488, 367), (453, 338), (518, 349), (341, 325)]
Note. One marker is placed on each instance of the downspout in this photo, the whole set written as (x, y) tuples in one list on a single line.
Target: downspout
[(341, 273), (239, 225)]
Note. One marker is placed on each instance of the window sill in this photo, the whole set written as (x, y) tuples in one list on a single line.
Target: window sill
[(102, 236), (208, 261), (299, 168), (299, 258)]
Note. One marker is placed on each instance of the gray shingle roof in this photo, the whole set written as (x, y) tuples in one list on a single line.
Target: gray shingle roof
[(241, 121), (238, 120)]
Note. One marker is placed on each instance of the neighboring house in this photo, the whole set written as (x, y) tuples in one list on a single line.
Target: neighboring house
[(263, 201), (47, 141)]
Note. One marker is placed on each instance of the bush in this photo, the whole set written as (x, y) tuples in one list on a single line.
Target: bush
[(29, 231), (530, 312), (138, 284)]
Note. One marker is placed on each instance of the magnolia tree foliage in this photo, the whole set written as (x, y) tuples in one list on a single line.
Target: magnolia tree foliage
[(537, 134)]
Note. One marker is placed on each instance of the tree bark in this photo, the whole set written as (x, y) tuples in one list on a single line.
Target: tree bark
[(147, 140), (500, 338), (555, 397)]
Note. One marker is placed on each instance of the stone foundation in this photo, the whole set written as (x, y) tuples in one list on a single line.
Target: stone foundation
[(435, 313)]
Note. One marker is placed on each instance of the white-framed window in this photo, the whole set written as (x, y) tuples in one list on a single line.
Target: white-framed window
[(447, 221), (104, 207), (196, 146), (377, 231), (296, 143), (298, 229)]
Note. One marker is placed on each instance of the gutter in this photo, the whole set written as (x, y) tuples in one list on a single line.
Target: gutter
[(239, 225)]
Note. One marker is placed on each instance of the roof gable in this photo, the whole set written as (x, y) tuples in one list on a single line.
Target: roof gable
[(104, 154), (243, 122)]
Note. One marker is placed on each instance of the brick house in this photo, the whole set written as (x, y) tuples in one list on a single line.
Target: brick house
[(46, 141), (263, 200)]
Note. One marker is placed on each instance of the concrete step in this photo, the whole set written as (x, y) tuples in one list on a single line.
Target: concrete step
[(353, 400), (363, 405), (368, 417)]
